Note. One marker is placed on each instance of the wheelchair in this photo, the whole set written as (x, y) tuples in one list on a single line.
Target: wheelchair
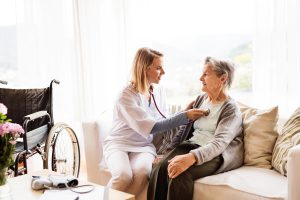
[(56, 143)]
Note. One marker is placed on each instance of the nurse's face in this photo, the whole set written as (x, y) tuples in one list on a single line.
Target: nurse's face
[(155, 71)]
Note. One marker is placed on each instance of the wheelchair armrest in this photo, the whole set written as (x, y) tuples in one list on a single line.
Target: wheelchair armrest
[(36, 115), (3, 82)]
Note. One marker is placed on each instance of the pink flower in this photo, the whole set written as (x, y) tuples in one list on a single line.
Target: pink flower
[(10, 128), (3, 109)]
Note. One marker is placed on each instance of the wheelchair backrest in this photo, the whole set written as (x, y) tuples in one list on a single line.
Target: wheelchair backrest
[(22, 102)]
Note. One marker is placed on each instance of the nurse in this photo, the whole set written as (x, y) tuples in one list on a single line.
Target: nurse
[(138, 114)]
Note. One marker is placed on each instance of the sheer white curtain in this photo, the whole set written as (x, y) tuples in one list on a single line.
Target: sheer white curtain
[(47, 49), (105, 62), (79, 42), (276, 55)]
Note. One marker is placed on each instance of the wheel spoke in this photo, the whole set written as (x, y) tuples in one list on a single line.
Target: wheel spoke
[(64, 153)]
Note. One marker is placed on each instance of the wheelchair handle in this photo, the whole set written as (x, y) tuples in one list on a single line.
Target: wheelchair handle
[(55, 81), (36, 115), (3, 82)]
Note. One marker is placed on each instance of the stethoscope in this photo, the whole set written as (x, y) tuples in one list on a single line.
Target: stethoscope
[(152, 97)]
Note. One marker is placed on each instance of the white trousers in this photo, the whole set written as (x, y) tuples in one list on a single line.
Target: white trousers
[(129, 170)]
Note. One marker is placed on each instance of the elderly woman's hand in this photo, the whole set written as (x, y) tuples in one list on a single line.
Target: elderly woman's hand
[(195, 113), (179, 164)]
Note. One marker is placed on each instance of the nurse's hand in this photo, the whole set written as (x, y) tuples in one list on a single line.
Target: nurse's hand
[(157, 159), (190, 105), (195, 113)]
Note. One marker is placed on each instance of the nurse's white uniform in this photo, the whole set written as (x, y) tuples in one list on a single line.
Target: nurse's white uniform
[(128, 150)]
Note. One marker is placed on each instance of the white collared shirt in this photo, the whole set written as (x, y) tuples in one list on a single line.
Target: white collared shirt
[(133, 119)]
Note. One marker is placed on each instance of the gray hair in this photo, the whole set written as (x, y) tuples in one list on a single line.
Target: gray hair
[(221, 67)]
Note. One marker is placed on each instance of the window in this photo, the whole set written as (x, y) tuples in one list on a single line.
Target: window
[(188, 31)]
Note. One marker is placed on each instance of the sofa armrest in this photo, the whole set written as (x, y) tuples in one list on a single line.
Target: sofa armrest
[(293, 173), (93, 150)]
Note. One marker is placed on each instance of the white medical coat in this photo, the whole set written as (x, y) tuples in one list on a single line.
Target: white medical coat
[(133, 120)]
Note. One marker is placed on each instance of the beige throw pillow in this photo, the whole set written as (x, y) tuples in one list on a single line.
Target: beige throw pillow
[(289, 137), (260, 134)]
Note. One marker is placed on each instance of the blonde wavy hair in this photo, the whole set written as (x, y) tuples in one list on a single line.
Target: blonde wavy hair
[(142, 61)]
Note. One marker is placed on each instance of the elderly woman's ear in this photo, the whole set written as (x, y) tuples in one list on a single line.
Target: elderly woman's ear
[(224, 78)]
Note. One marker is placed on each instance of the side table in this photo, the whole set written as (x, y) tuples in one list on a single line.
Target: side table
[(20, 188)]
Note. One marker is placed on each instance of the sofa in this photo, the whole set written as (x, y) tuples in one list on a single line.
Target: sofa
[(249, 182)]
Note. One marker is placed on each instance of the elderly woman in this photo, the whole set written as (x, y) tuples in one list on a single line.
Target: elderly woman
[(210, 145)]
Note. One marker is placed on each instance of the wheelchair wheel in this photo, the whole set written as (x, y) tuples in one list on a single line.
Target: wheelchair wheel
[(62, 150)]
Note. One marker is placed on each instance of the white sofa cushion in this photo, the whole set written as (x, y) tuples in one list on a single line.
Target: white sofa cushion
[(222, 192), (253, 180)]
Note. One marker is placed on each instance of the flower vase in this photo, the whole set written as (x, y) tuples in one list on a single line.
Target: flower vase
[(4, 186)]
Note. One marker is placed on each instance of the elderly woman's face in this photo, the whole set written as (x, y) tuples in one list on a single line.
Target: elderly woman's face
[(212, 84)]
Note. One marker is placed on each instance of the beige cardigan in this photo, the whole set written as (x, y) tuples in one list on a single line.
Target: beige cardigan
[(228, 137)]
